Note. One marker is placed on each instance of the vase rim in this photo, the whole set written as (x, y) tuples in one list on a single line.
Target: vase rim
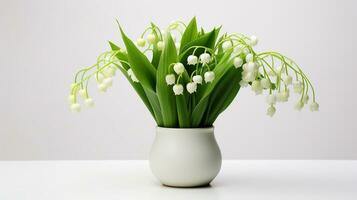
[(168, 128)]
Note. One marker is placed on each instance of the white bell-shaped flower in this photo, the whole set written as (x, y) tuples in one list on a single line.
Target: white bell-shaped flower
[(192, 60), (271, 99), (108, 82), (151, 38), (237, 62), (205, 58), (179, 68), (71, 98), (178, 89), (170, 79), (243, 83), (89, 102), (249, 58), (314, 106), (226, 45), (248, 76), (257, 87), (265, 83), (99, 77), (197, 79), (253, 40), (298, 87), (161, 45), (140, 42), (287, 79), (75, 107), (102, 87), (191, 87), (271, 110), (209, 76), (283, 96), (299, 105), (82, 93)]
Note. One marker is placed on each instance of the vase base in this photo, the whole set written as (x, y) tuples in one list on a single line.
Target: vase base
[(189, 186)]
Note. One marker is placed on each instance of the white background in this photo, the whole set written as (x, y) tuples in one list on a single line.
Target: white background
[(43, 43)]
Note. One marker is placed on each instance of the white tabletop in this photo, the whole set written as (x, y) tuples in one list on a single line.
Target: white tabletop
[(126, 180)]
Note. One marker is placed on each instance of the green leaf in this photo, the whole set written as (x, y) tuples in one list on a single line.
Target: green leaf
[(164, 92), (203, 96), (141, 66), (147, 96), (223, 95), (182, 112), (189, 34)]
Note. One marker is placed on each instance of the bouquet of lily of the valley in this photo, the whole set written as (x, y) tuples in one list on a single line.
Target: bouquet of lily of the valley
[(187, 76)]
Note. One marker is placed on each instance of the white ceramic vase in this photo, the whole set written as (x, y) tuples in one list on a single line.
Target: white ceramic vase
[(185, 157)]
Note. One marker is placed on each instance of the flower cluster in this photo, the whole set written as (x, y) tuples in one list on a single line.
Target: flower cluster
[(196, 76), (203, 64)]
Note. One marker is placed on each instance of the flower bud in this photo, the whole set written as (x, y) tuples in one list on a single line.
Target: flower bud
[(197, 79), (265, 83), (89, 102), (249, 58), (271, 99), (237, 62), (170, 79), (226, 45), (151, 38), (178, 89), (76, 107), (191, 87), (257, 87), (140, 42), (160, 45), (271, 110), (253, 40), (205, 58), (192, 60), (179, 68), (209, 76), (314, 106)]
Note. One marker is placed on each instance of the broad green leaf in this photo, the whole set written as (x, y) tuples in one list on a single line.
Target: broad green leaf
[(120, 55), (164, 92), (141, 66), (190, 33), (182, 112), (223, 95), (155, 104), (203, 96)]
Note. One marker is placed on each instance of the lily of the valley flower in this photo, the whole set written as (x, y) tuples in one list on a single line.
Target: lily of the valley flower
[(243, 83), (314, 106), (287, 79), (108, 82), (89, 102), (265, 83), (161, 45), (205, 58), (249, 58), (253, 40), (100, 77), (192, 60), (75, 107), (271, 99), (257, 87), (179, 68), (283, 96), (178, 89), (71, 98), (197, 79), (226, 45), (209, 76), (82, 93), (191, 87), (140, 42), (271, 110), (170, 79), (151, 38), (102, 87), (298, 87), (299, 105), (237, 62)]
